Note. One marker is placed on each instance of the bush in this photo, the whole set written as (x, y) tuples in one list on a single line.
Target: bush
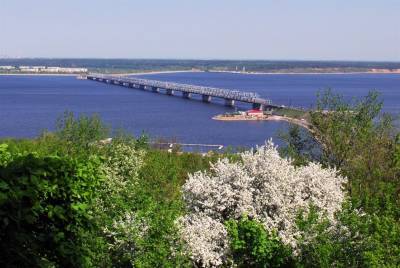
[(358, 239), (251, 245), (361, 141), (263, 186), (82, 132), (44, 209)]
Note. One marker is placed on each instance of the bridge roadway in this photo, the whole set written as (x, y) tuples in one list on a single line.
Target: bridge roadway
[(230, 96)]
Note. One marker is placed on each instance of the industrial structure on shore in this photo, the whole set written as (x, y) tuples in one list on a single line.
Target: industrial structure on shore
[(230, 96)]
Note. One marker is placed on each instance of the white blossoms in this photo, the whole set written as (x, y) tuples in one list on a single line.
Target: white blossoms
[(263, 186)]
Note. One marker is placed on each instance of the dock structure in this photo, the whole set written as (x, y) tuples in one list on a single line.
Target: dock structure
[(230, 96)]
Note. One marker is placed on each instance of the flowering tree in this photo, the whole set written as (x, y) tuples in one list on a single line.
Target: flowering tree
[(265, 187), (121, 225)]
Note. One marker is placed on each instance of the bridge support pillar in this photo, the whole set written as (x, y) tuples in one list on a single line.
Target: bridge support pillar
[(170, 92), (140, 87), (155, 89), (186, 95), (258, 106), (206, 98), (229, 102)]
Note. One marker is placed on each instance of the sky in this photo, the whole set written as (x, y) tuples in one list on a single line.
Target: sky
[(366, 30)]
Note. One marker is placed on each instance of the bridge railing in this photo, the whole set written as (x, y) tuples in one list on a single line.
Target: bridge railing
[(237, 95)]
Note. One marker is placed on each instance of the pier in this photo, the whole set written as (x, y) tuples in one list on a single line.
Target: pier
[(229, 96)]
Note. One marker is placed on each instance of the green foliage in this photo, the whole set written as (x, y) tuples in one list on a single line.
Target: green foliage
[(68, 199), (5, 155), (158, 203), (82, 132), (300, 147), (253, 246), (44, 209), (356, 138), (129, 221), (324, 245), (358, 240)]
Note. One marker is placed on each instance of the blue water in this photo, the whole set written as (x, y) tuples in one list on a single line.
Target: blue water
[(30, 104)]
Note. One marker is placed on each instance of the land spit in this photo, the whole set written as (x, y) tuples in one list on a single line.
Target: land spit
[(300, 122)]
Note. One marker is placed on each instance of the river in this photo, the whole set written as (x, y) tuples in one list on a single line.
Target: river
[(30, 104)]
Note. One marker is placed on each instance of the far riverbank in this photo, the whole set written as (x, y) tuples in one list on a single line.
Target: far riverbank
[(378, 71)]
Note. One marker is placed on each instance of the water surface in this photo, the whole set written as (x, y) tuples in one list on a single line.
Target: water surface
[(29, 104)]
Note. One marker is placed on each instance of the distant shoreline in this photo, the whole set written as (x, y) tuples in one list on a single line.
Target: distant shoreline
[(302, 73), (257, 73), (382, 71), (32, 74), (161, 72)]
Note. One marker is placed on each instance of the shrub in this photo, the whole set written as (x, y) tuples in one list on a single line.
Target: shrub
[(44, 210), (358, 240), (251, 245), (79, 133), (265, 187), (115, 204)]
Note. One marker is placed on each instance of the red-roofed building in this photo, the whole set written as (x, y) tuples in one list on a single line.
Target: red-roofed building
[(255, 112)]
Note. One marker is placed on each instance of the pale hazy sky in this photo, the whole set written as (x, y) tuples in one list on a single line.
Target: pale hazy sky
[(202, 29)]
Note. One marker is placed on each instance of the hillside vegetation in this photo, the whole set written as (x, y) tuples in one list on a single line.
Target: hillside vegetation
[(72, 199)]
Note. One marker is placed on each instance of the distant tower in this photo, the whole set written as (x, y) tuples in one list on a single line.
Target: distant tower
[(236, 68), (244, 69)]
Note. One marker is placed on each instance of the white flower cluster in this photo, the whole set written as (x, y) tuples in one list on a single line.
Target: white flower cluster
[(206, 237), (125, 231), (123, 162), (263, 186), (121, 168)]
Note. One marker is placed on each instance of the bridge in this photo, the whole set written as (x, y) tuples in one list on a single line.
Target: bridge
[(230, 96)]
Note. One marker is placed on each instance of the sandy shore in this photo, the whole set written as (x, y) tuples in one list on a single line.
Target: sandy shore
[(160, 72), (298, 122)]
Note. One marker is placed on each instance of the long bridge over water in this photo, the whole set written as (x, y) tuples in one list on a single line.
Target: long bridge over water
[(230, 96)]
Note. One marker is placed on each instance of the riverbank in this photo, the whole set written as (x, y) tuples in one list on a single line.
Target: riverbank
[(159, 72), (373, 71), (300, 122)]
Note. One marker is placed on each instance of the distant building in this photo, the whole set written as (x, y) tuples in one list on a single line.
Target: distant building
[(66, 70), (51, 69), (31, 69), (7, 68), (255, 113)]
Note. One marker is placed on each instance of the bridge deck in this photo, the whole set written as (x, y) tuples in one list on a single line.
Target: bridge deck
[(228, 94)]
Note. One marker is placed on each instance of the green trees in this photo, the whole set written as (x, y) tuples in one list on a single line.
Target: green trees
[(252, 246), (68, 199), (362, 142), (80, 133), (44, 209)]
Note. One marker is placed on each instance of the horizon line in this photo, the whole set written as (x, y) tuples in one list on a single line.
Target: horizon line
[(198, 59)]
